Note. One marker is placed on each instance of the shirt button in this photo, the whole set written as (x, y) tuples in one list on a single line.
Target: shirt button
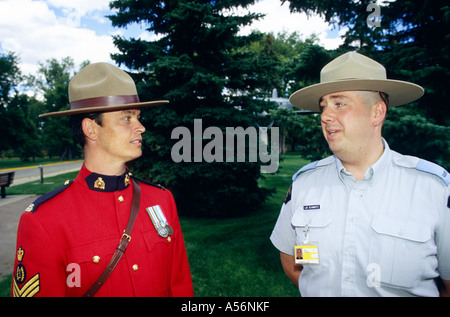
[(135, 267), (120, 199), (96, 259)]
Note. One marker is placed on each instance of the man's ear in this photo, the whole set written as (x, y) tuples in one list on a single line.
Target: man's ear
[(89, 128), (379, 111)]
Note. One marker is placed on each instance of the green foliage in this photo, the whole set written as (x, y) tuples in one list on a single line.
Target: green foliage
[(52, 81), (18, 130), (26, 140), (304, 68), (413, 134), (5, 286), (204, 68), (414, 45), (22, 131)]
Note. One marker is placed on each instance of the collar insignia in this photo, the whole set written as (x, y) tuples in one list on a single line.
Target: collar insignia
[(108, 183), (99, 183)]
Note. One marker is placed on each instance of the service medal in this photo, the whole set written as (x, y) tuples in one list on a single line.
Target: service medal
[(159, 221), (162, 231), (169, 229)]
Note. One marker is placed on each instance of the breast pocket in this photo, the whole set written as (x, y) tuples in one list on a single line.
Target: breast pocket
[(399, 248), (315, 227), (312, 223)]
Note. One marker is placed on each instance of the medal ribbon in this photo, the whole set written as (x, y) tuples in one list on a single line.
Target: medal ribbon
[(159, 221), (154, 217), (160, 214)]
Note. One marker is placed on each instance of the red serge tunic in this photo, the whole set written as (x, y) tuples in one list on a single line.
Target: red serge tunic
[(67, 237)]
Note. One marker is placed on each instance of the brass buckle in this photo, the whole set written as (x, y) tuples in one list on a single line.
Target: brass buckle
[(126, 236)]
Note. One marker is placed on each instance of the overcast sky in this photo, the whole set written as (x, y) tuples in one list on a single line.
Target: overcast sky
[(38, 30)]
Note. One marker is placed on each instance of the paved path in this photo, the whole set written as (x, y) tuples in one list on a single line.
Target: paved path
[(32, 173), (13, 206)]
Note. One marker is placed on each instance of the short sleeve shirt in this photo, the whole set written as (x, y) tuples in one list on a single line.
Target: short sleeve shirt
[(387, 234)]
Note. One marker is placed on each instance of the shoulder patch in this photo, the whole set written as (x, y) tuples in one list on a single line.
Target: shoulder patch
[(432, 168), (32, 208), (288, 195), (314, 165), (147, 182)]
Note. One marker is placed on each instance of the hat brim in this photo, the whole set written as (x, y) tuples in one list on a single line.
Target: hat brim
[(399, 92), (103, 109)]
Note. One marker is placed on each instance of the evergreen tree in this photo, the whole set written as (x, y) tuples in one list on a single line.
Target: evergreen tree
[(201, 65), (413, 43)]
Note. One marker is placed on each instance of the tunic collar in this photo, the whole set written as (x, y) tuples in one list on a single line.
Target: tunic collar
[(104, 183)]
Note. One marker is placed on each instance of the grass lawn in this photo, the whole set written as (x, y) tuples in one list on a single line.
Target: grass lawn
[(228, 257)]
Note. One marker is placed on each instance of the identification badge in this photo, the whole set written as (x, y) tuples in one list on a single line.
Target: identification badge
[(307, 253)]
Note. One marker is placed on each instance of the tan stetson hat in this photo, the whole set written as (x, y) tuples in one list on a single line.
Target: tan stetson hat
[(350, 72), (101, 87)]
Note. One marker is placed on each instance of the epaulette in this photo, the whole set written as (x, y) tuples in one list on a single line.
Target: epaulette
[(41, 199), (147, 182), (313, 165), (432, 168), (423, 166)]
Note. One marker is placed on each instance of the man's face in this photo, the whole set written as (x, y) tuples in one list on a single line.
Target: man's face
[(120, 136), (346, 123)]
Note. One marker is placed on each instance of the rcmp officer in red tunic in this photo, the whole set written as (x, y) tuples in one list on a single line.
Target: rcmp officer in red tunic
[(104, 233)]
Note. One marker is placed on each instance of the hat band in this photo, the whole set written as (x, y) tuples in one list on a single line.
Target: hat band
[(104, 101)]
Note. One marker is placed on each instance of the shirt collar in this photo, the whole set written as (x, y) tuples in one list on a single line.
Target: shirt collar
[(104, 183), (375, 169)]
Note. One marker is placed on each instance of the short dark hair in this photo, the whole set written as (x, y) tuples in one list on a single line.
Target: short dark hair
[(385, 97), (77, 130)]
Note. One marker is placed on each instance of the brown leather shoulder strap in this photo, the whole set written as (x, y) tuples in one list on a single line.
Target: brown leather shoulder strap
[(124, 240)]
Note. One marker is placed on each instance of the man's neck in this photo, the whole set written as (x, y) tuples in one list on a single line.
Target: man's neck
[(359, 163), (105, 169)]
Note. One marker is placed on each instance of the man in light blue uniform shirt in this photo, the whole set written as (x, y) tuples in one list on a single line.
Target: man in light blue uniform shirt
[(368, 221)]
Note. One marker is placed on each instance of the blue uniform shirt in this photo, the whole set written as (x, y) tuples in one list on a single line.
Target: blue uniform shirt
[(385, 235)]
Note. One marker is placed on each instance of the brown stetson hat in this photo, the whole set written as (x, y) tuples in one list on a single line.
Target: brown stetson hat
[(101, 87), (351, 72)]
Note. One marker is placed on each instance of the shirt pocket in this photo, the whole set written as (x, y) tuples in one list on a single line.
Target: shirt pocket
[(313, 222), (399, 248), (316, 224)]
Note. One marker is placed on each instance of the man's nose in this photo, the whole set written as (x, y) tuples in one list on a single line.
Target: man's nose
[(140, 128), (327, 115)]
